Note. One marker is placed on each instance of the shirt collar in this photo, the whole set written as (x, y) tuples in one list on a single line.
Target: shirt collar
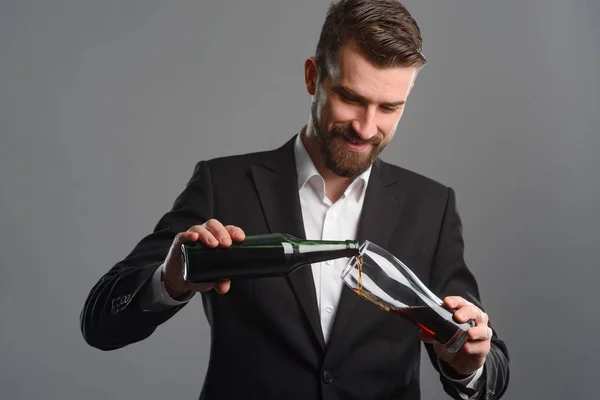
[(306, 170)]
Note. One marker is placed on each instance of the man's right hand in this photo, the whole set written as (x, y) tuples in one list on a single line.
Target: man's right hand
[(211, 234)]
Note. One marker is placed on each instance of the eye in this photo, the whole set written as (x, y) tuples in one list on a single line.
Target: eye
[(389, 110), (348, 99)]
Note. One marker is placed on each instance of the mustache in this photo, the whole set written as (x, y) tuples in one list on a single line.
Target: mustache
[(350, 135)]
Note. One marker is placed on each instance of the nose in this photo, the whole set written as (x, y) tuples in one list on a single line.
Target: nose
[(365, 125)]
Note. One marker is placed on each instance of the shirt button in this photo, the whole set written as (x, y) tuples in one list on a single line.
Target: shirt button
[(329, 309), (327, 378), (329, 262)]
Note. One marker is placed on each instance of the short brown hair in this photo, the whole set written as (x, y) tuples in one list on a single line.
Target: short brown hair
[(383, 30)]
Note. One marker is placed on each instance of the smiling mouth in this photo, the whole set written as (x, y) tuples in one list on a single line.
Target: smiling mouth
[(357, 147)]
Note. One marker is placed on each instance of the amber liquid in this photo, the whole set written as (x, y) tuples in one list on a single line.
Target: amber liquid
[(429, 320), (360, 263)]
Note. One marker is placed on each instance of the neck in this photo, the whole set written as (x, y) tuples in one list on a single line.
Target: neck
[(335, 185)]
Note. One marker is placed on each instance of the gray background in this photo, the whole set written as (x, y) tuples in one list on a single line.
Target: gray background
[(105, 106)]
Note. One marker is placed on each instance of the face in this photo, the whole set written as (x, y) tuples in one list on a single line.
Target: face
[(356, 109)]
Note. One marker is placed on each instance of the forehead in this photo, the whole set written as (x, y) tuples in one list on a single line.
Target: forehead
[(356, 72)]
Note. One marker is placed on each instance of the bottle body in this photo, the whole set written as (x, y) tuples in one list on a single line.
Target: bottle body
[(259, 256), (380, 278)]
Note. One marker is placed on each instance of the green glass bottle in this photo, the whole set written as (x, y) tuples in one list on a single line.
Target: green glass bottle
[(259, 256)]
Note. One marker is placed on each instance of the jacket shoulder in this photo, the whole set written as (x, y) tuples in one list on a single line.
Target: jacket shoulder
[(413, 179)]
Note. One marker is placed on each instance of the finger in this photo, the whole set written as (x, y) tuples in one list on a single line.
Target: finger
[(484, 317), (478, 349), (471, 312), (236, 233), (426, 336), (201, 287), (454, 302), (204, 235), (218, 231), (223, 286), (186, 237), (479, 333)]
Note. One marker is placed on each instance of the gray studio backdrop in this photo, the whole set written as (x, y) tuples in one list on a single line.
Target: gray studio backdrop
[(105, 107)]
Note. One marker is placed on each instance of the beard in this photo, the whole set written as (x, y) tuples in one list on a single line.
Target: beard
[(336, 157)]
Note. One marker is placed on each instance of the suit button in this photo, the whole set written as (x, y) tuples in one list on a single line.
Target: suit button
[(327, 378)]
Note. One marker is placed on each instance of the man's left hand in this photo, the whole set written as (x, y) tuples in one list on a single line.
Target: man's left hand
[(471, 356)]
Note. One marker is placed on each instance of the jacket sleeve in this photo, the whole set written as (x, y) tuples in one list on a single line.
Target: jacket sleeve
[(451, 277), (112, 316)]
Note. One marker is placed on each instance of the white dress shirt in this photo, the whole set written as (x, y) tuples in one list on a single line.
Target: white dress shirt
[(323, 220)]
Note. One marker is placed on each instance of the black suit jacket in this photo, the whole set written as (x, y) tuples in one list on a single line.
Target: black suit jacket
[(266, 338)]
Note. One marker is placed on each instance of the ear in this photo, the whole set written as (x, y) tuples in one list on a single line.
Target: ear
[(310, 75)]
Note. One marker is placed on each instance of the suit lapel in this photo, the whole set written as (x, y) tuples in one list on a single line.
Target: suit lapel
[(381, 211), (276, 181)]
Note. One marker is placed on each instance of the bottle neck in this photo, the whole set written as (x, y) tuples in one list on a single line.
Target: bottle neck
[(326, 246), (305, 253)]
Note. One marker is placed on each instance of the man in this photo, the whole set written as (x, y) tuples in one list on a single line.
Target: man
[(306, 336)]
